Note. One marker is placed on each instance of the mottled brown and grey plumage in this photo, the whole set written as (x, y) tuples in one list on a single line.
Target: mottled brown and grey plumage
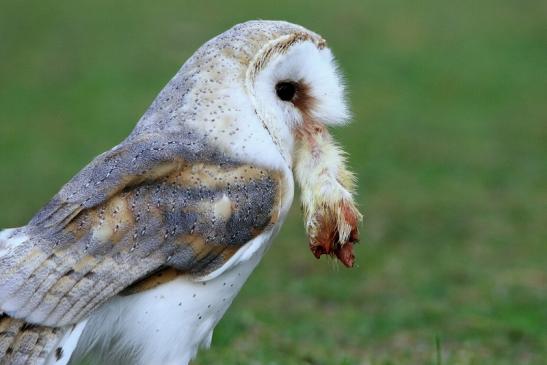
[(23, 343)]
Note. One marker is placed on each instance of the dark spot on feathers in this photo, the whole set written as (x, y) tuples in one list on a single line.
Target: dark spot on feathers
[(27, 326), (58, 353)]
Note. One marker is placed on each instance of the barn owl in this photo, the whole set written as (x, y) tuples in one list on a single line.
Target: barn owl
[(139, 255)]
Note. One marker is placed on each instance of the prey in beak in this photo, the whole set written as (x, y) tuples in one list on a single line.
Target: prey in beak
[(330, 213)]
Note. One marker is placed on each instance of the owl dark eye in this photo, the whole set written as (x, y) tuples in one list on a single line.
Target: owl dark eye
[(286, 90)]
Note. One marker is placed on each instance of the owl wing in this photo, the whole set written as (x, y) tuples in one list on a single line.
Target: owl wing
[(156, 203)]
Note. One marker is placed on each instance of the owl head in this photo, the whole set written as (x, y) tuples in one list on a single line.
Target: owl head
[(270, 75)]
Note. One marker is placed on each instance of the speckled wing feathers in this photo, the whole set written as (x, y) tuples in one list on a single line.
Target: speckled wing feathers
[(155, 202), (143, 158), (24, 344)]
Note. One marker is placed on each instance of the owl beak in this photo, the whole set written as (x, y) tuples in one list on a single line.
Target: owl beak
[(330, 213)]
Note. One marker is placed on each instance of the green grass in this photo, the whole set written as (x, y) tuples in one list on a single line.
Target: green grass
[(449, 143)]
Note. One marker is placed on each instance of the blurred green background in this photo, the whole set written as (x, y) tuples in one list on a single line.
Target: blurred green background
[(449, 141)]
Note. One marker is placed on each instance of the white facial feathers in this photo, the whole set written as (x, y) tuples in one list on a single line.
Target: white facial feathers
[(314, 72)]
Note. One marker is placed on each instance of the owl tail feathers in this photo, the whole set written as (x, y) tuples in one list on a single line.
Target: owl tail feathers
[(22, 343)]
